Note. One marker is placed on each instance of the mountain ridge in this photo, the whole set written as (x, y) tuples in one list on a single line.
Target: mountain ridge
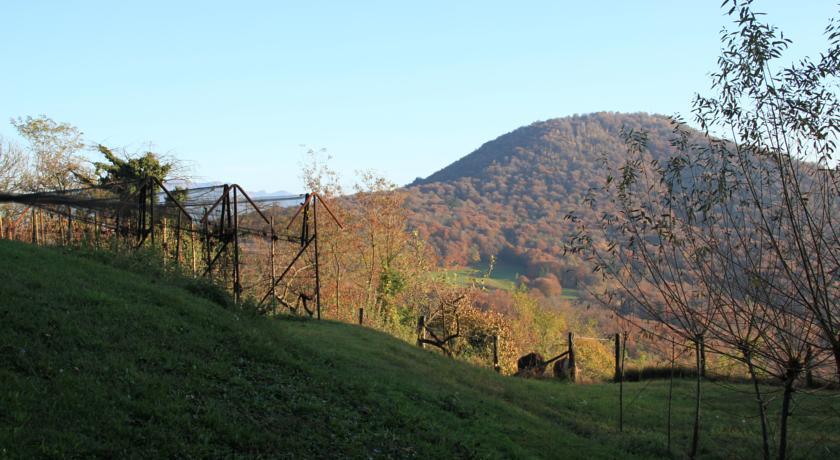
[(508, 198), (483, 155)]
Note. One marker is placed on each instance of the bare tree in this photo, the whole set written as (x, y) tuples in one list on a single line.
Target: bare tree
[(736, 239), (12, 165), (54, 149)]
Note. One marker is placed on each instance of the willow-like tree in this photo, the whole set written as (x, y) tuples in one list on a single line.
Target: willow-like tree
[(734, 237)]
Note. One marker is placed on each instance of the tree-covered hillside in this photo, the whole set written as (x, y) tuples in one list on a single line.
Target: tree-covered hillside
[(508, 198)]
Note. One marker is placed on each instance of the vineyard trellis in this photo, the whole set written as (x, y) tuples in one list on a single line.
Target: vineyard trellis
[(218, 232)]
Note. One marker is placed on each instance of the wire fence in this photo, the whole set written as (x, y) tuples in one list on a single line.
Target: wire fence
[(263, 248)]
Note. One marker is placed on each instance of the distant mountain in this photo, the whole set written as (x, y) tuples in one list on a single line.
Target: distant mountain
[(264, 194), (207, 192), (509, 197)]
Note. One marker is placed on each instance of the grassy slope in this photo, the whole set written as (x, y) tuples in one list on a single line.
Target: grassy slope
[(96, 360)]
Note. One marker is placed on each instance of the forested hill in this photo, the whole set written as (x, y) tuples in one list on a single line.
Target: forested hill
[(509, 197)]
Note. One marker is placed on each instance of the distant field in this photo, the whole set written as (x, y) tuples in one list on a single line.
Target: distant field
[(503, 276), (466, 276)]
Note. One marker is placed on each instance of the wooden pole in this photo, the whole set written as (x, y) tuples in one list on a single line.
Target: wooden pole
[(96, 229), (207, 244), (361, 315), (621, 385), (617, 374), (152, 213), (70, 235), (228, 225), (273, 269), (192, 245), (421, 331), (304, 228), (43, 227), (141, 215), (164, 242), (572, 363), (237, 276), (671, 392), (34, 227), (178, 241), (61, 237), (702, 357), (496, 366), (317, 265), (115, 243)]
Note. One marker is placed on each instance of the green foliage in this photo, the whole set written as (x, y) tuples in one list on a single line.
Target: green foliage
[(391, 282), (116, 169)]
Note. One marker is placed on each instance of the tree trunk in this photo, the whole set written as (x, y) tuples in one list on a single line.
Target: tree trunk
[(761, 412), (788, 396), (695, 436), (671, 392), (836, 350)]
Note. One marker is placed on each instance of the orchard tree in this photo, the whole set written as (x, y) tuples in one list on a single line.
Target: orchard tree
[(734, 238)]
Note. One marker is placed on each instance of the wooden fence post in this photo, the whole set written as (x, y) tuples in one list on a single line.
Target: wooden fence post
[(43, 237), (315, 200), (164, 241), (96, 229), (617, 375), (70, 235), (178, 241), (361, 315), (572, 363), (671, 390), (421, 331), (151, 214), (496, 366), (206, 235), (237, 275), (273, 271), (34, 227), (621, 385), (61, 237), (192, 246)]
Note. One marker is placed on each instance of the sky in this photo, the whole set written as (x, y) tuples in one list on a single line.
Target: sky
[(239, 91)]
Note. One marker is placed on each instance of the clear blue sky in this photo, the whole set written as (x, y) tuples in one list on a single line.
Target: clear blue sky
[(235, 88)]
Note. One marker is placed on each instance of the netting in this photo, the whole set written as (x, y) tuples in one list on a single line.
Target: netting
[(264, 248)]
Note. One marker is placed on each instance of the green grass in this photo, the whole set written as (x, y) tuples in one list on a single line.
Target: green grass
[(467, 275), (505, 276), (100, 361)]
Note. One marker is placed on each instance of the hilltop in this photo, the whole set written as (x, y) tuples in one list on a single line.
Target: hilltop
[(509, 197)]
